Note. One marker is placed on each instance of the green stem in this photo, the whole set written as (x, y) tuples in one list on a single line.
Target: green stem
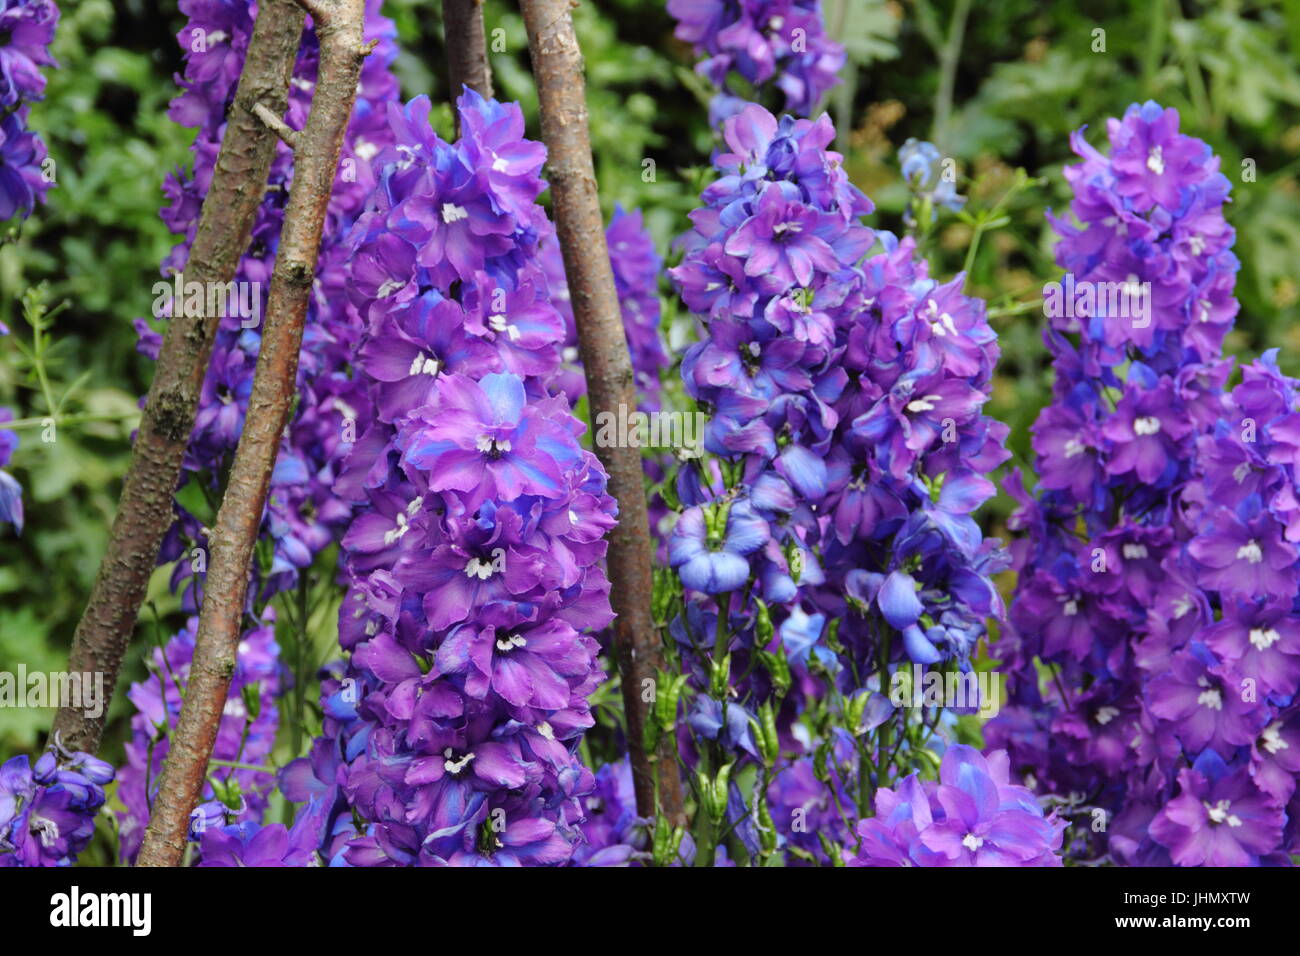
[(948, 57)]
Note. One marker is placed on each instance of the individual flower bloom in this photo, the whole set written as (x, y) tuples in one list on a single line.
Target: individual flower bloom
[(612, 832), (527, 663), (406, 354), (456, 222), (48, 810), (1056, 605), (785, 240), (914, 415), (972, 817), (1218, 818), (709, 545), (986, 821), (384, 270), (1263, 642), (1151, 161), (726, 722), (1098, 726), (801, 634), (493, 145), (528, 838), (251, 844), (485, 440), (1244, 557), (26, 32), (224, 397), (928, 178), (522, 326), (1069, 445), (1275, 757), (22, 154), (1208, 704), (11, 501), (1146, 434)]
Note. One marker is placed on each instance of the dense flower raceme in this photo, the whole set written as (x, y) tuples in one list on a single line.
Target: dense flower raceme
[(47, 811), (845, 402), (474, 557), (782, 43), (304, 515), (1155, 640), (26, 31)]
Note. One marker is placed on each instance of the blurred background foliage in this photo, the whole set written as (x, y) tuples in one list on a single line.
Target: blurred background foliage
[(997, 86)]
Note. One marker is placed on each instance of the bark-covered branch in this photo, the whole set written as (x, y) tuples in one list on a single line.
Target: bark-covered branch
[(316, 159), (288, 135), (465, 41), (144, 511), (561, 92)]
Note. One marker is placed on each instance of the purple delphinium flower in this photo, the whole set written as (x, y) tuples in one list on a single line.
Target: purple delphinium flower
[(11, 492), (242, 737), (1169, 629), (1218, 821), (474, 556), (974, 816), (26, 31), (782, 42), (304, 513)]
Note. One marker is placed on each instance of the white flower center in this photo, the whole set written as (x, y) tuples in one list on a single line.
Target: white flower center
[(1135, 552), (941, 323), (1210, 696), (424, 365), (1251, 551), (1074, 447), (489, 445), (1105, 715), (507, 644), (500, 323), (1221, 812), (1147, 425), (474, 568), (1198, 245), (971, 842), (453, 213), (1271, 738), (924, 404), (1156, 160), (394, 534), (48, 829), (1070, 608), (1264, 637), (451, 764)]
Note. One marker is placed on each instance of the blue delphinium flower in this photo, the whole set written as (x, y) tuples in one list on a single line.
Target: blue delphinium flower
[(845, 396), (47, 811)]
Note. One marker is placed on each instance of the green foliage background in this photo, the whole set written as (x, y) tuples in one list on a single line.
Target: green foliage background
[(1024, 75)]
